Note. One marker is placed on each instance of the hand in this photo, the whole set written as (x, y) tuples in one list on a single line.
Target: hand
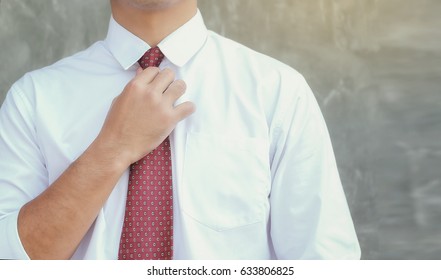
[(143, 115)]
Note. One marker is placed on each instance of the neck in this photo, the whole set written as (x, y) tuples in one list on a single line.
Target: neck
[(153, 25)]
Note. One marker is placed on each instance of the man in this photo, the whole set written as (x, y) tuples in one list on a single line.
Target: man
[(253, 173)]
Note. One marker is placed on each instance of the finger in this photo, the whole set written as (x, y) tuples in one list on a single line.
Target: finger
[(161, 82), (175, 90), (184, 110), (147, 75), (138, 71)]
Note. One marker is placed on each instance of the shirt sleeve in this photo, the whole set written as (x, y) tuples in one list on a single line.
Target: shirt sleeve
[(22, 170), (310, 218)]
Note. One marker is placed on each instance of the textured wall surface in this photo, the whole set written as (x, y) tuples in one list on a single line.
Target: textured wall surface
[(374, 65)]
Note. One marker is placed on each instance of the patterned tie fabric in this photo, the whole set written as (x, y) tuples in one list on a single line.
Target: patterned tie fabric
[(147, 232)]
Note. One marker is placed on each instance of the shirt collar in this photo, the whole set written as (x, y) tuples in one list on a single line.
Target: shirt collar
[(178, 47)]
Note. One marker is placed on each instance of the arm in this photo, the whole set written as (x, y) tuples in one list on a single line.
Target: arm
[(310, 217), (51, 225)]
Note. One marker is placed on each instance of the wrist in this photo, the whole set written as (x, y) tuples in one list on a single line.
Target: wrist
[(109, 157)]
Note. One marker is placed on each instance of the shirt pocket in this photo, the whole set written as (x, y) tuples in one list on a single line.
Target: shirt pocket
[(225, 182)]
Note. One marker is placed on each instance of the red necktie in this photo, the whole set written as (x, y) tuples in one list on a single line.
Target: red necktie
[(147, 232)]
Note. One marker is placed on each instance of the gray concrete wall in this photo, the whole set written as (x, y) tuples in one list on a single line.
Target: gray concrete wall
[(374, 65)]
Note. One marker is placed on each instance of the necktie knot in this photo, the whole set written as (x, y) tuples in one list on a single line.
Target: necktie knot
[(152, 58)]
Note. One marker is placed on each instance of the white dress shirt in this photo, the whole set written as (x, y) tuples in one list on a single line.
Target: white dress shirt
[(254, 174)]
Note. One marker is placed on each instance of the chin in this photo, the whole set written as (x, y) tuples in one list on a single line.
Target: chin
[(151, 4)]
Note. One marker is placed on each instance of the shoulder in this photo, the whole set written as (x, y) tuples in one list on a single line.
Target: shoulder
[(64, 71), (277, 86), (247, 59), (82, 61)]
